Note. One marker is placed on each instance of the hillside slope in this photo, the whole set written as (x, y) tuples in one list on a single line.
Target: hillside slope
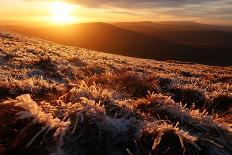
[(111, 39), (102, 37), (58, 99)]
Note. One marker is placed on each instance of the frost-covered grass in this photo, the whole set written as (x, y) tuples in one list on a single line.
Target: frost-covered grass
[(66, 100)]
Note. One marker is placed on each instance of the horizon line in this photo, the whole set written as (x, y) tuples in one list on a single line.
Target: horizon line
[(23, 23)]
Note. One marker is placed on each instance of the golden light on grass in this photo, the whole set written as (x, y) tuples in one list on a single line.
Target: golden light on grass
[(61, 13)]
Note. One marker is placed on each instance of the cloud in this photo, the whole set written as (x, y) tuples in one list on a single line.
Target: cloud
[(143, 3), (175, 8)]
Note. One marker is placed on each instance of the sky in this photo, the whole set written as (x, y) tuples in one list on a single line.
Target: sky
[(47, 11)]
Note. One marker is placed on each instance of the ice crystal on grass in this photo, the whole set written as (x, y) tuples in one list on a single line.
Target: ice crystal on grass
[(32, 110), (88, 102)]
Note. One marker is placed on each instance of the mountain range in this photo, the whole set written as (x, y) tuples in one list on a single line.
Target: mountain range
[(180, 41)]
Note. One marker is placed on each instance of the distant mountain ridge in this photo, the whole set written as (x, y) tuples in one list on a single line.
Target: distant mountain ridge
[(118, 39), (183, 25), (183, 32)]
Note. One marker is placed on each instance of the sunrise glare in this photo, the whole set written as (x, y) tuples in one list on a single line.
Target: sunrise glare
[(62, 13)]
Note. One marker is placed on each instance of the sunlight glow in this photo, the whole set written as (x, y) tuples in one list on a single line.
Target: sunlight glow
[(61, 13)]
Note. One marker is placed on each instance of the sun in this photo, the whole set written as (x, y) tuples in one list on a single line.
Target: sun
[(61, 13)]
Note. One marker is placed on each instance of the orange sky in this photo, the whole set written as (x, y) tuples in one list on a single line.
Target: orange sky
[(44, 11)]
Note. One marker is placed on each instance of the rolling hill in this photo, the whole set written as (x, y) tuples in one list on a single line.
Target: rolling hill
[(112, 39), (65, 100), (183, 32)]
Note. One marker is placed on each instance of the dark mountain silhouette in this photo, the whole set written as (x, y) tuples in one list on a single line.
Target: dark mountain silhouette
[(112, 39), (183, 32), (177, 25)]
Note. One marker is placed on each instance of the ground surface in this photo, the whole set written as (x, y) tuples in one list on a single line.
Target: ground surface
[(65, 100)]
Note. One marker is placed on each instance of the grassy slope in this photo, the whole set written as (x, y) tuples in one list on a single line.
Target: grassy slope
[(87, 102)]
